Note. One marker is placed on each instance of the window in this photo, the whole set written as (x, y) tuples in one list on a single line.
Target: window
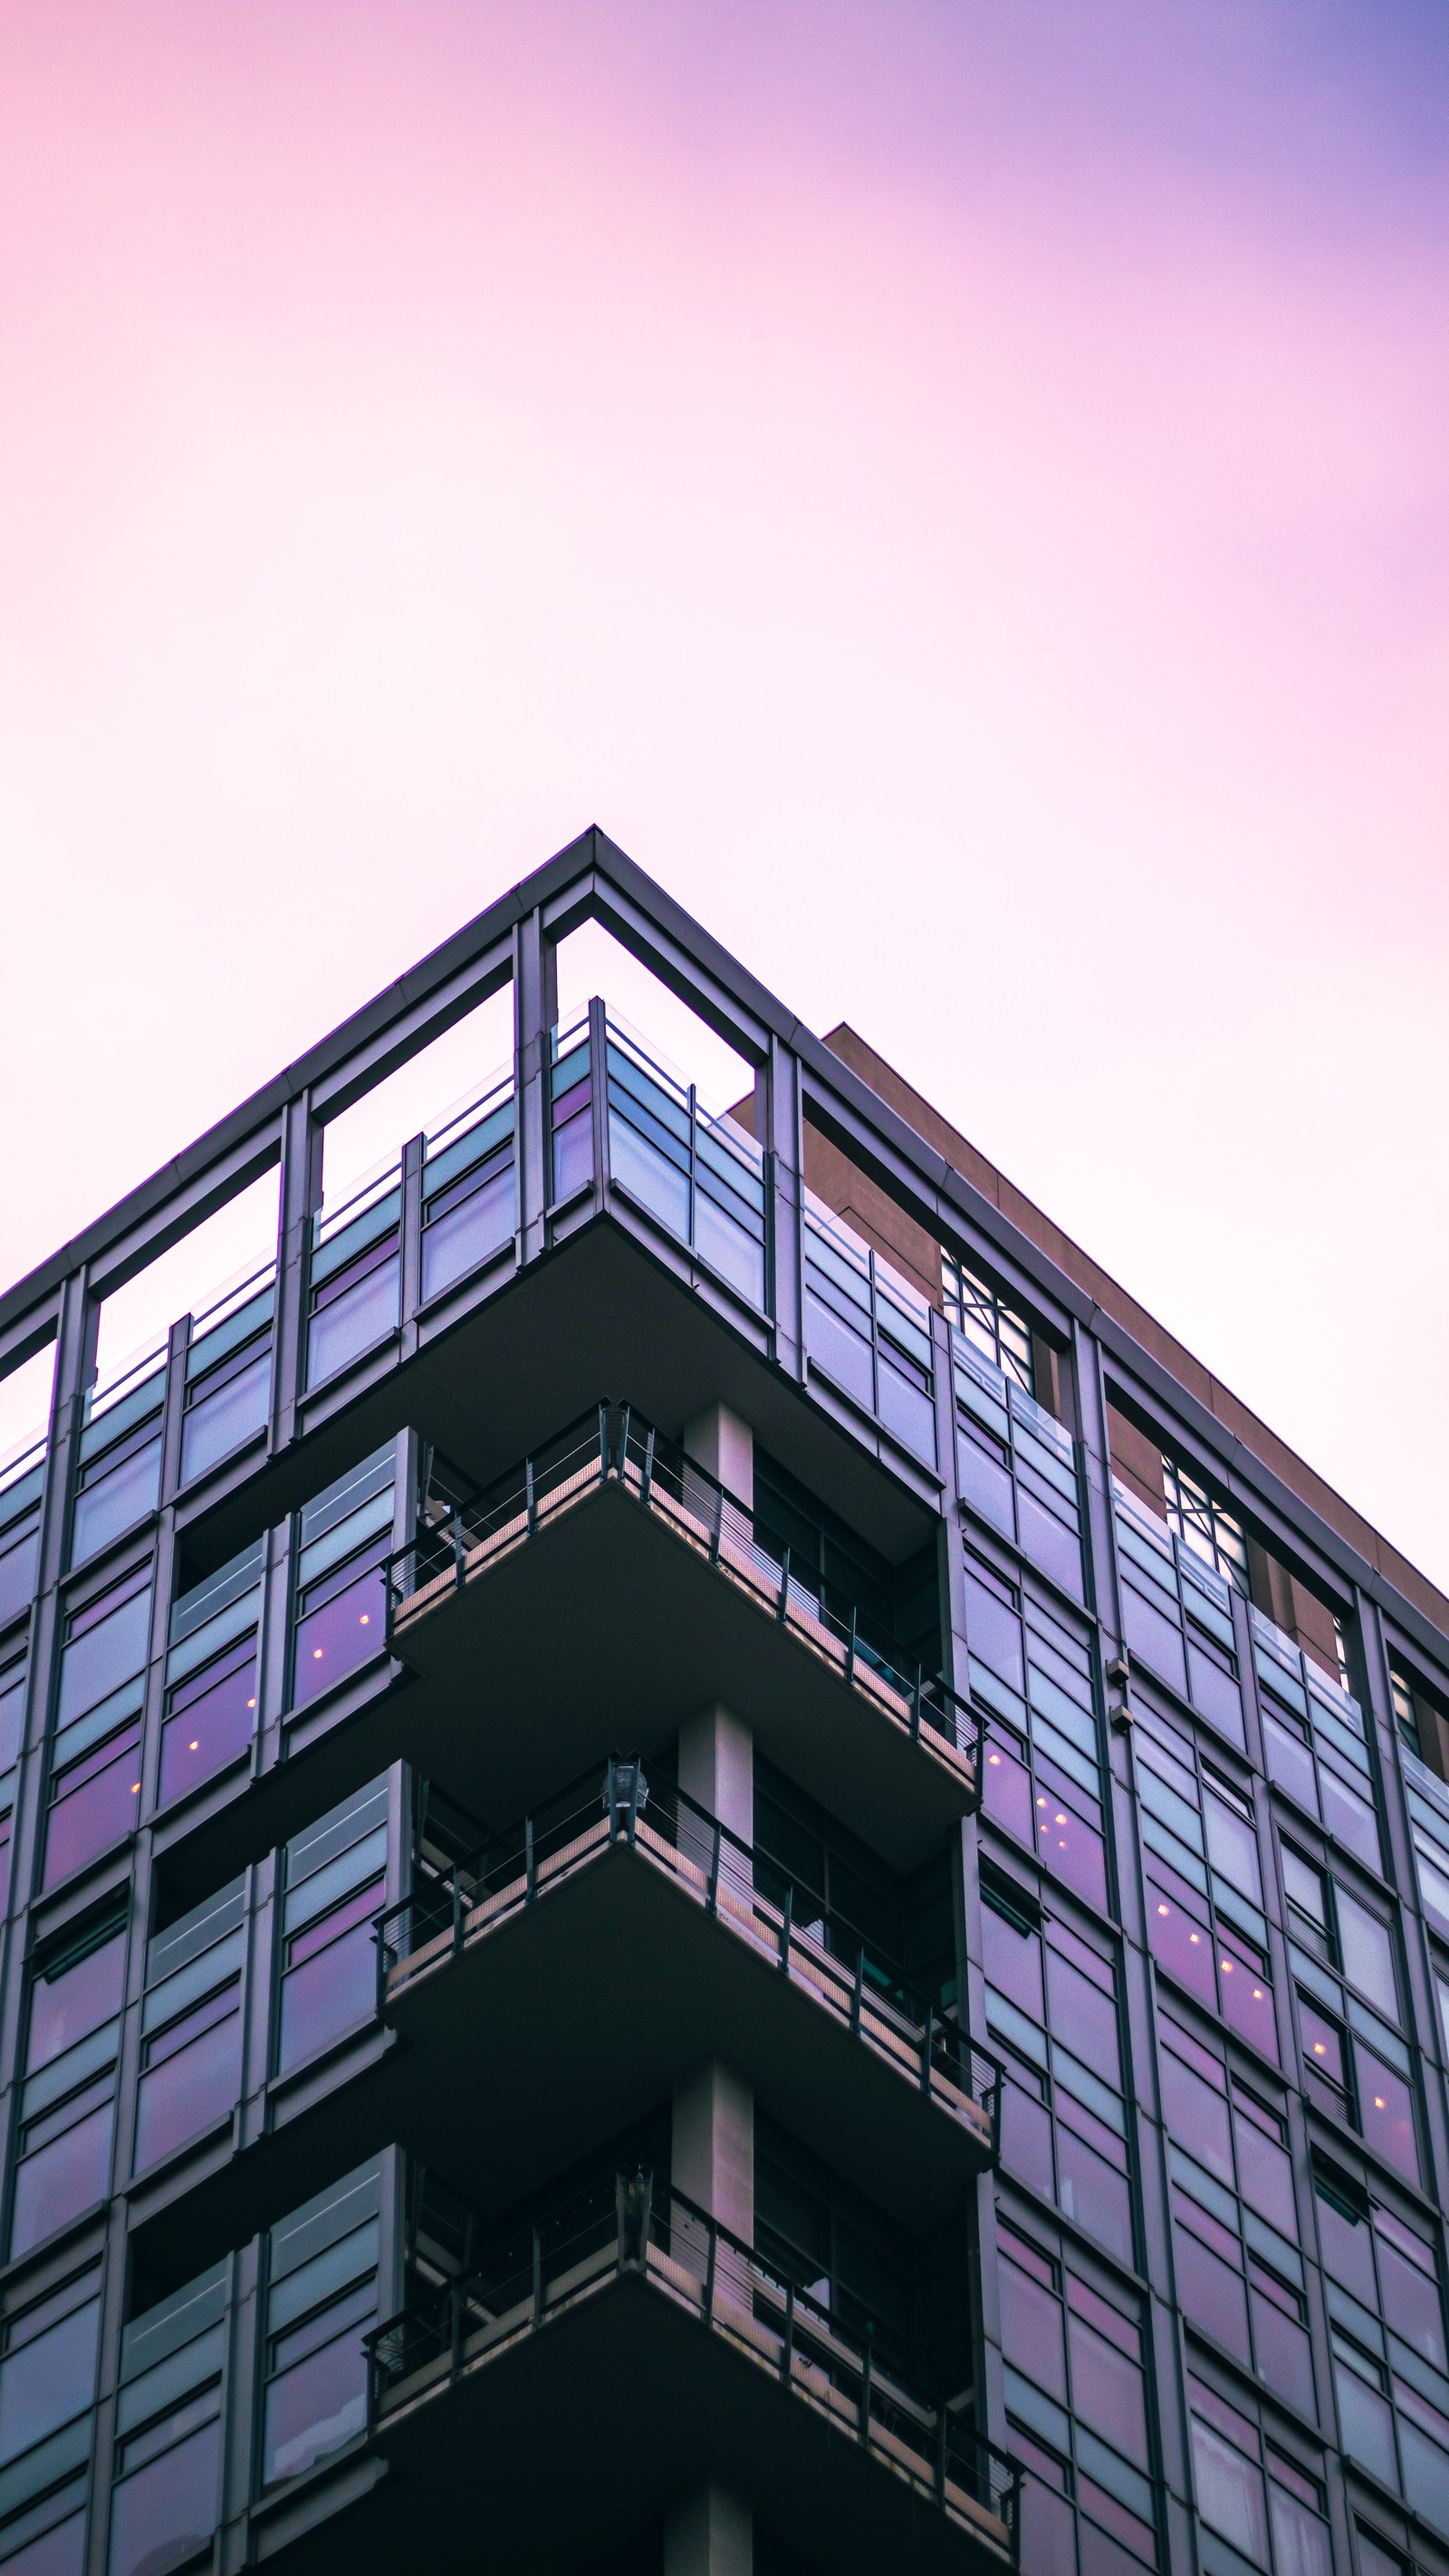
[(354, 1277), (168, 2424), (22, 1484), (1270, 2509), (341, 1602), (701, 1177), (191, 2025), (321, 2301), (47, 2388), (67, 2101), (1051, 2000), (839, 1887), (1239, 2271), (1342, 1957), (118, 1481), (834, 2244), (994, 1328), (228, 1378), (1205, 1920), (1314, 1742), (13, 1677), (1421, 1731), (868, 1331), (468, 1190), (1077, 2408), (1206, 1529), (211, 1676), (335, 1881), (1386, 2328), (95, 1779), (1043, 1781), (1016, 1466), (1177, 1615)]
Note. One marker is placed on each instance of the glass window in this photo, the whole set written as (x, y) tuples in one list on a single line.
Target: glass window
[(354, 1277), (1033, 1674), (1314, 1741), (168, 2422), (1076, 2401), (1016, 1466), (343, 1538), (118, 1480), (1240, 2274), (47, 2386), (211, 1676), (22, 1485), (321, 2301), (868, 1330), (191, 2025), (228, 1377), (469, 1197), (13, 1678), (1205, 1921), (1356, 2061), (983, 1316), (830, 2241), (67, 2103), (1386, 2323), (335, 1881), (95, 1781), (1177, 1614), (1205, 1526), (1270, 2508), (1051, 2003), (701, 1177)]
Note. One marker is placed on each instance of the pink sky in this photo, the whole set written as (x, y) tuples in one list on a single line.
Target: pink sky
[(991, 458)]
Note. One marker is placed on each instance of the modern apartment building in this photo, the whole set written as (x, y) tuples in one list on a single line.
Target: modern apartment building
[(710, 1869)]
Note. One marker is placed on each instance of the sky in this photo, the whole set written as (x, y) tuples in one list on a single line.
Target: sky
[(959, 492)]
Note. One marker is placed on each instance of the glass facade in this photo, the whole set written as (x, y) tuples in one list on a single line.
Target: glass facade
[(1192, 1898)]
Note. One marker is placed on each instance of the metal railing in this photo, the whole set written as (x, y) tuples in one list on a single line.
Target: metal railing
[(634, 2225), (818, 1950), (613, 1444)]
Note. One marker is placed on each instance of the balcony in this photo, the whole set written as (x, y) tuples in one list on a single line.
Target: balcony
[(612, 1586), (670, 1939), (604, 2356)]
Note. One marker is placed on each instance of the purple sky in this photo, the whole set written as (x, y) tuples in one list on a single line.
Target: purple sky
[(989, 457)]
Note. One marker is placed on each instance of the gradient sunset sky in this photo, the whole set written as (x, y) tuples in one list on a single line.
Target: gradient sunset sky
[(990, 456)]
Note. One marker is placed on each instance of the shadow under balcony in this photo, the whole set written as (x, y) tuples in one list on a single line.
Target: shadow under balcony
[(611, 1587), (568, 1975), (598, 2361)]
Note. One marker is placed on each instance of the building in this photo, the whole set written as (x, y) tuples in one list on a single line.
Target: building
[(711, 1868)]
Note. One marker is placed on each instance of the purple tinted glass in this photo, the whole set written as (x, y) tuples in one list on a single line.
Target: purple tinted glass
[(1285, 2362), (339, 1634), (48, 2381), (100, 1657), (1008, 1792), (1107, 2391), (211, 1728), (1026, 2139), (353, 1322), (116, 1502), (1322, 2043), (1366, 2425), (736, 1254), (1048, 2533), (1216, 1693), (96, 1806), (1411, 2303), (1265, 2177), (1050, 1543), (55, 2185), (1072, 1850), (190, 2091), (1386, 2114), (573, 1152), (994, 1631), (468, 1234), (226, 1417), (1247, 2001), (1193, 2110), (166, 2511), (330, 1992), (1181, 1944), (1101, 2555), (840, 1352), (1083, 2017), (4, 1865), (59, 2552), (19, 1562), (1092, 2193), (1230, 2493), (1290, 1763), (1012, 1961), (1031, 2331), (1157, 1640), (313, 2409), (651, 1176), (1300, 2539), (64, 2009), (1351, 1820)]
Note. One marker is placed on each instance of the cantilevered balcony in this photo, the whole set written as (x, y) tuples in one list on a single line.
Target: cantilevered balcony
[(595, 2361), (611, 1579), (570, 1971)]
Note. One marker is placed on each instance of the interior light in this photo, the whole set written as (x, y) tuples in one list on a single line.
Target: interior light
[(1257, 1994), (316, 1654), (365, 1617), (1061, 1819), (993, 1759), (1228, 1967), (1318, 2048), (1041, 1802), (1164, 1909), (251, 1703), (194, 1746), (1378, 2102)]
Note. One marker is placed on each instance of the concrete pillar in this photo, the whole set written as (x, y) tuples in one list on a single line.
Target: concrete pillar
[(725, 1446), (710, 2532), (717, 1766), (713, 2153)]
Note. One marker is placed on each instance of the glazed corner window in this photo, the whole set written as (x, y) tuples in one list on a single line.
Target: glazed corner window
[(321, 2301), (1051, 2002), (211, 1676), (191, 2026), (341, 1602), (1423, 1728), (335, 1882), (95, 1779), (1355, 2061), (47, 2385), (1386, 2329), (1269, 2508), (168, 2424), (980, 1312), (1043, 1779), (67, 2098), (1076, 2399), (1205, 1924), (1204, 1526)]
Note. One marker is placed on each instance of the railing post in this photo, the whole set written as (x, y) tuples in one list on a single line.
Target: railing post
[(783, 1605), (530, 1865), (455, 2303), (380, 1968), (865, 2373), (859, 1990), (926, 2048), (941, 2456), (712, 1899), (457, 1551), (537, 2278), (709, 2272), (611, 1793), (693, 1182), (634, 1800), (457, 1913), (787, 1919), (787, 2349), (718, 1529), (647, 1484), (532, 1498), (603, 1444), (916, 1709), (850, 1649), (621, 2217)]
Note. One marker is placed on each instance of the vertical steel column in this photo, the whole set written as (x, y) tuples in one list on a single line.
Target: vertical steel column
[(301, 1194), (784, 1147), (535, 1010)]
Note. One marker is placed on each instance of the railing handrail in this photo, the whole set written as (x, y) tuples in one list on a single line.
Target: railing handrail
[(735, 1140), (470, 1111), (635, 2222), (611, 1427)]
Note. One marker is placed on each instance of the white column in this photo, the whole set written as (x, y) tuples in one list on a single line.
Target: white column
[(717, 1767), (725, 1447), (713, 2154), (710, 2532)]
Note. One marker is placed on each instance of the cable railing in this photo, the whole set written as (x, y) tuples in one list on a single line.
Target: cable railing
[(637, 2225), (613, 1444), (817, 1949)]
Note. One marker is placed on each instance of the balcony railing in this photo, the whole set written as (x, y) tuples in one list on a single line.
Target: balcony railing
[(633, 2226), (612, 1444), (817, 1950)]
